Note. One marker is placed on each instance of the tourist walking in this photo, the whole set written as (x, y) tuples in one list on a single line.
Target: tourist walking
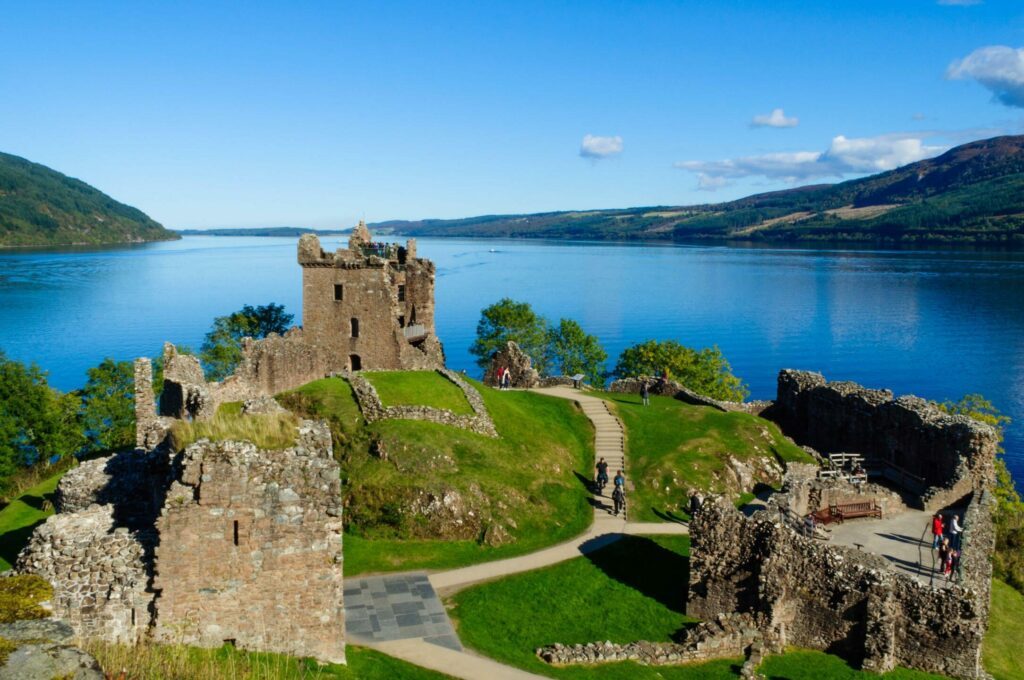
[(508, 379), (944, 551), (620, 480), (602, 475), (937, 528), (619, 500), (809, 525), (645, 393), (955, 531)]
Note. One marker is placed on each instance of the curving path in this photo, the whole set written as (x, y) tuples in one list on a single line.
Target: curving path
[(439, 653)]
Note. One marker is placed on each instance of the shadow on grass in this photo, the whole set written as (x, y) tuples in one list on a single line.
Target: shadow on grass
[(13, 541), (645, 566), (667, 516), (37, 502)]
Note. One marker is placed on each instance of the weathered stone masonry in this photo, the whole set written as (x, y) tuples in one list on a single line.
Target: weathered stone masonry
[(950, 455)]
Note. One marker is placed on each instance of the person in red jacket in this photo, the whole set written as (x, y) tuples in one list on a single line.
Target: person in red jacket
[(937, 531)]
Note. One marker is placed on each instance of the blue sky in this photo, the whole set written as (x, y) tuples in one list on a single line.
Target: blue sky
[(318, 114)]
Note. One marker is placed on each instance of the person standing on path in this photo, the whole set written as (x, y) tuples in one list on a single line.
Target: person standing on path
[(620, 480), (955, 531), (619, 500), (602, 475), (508, 379), (937, 528), (645, 393)]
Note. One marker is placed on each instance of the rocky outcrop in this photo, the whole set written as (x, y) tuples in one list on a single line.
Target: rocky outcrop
[(45, 651), (521, 372)]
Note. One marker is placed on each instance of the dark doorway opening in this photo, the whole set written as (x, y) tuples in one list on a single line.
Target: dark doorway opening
[(355, 363)]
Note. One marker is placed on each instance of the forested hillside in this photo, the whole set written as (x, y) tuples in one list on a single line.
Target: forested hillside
[(40, 206)]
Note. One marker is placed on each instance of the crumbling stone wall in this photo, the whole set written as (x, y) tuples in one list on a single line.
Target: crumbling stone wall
[(837, 599), (803, 491), (250, 549), (98, 570), (676, 390), (369, 306), (953, 455), (373, 408), (520, 367), (132, 483)]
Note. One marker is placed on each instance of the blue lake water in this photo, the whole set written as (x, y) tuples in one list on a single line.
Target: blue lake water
[(935, 323)]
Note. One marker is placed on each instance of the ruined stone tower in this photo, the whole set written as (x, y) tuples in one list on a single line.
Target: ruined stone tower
[(371, 305)]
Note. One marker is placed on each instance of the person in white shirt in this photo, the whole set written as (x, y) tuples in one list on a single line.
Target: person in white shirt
[(956, 530)]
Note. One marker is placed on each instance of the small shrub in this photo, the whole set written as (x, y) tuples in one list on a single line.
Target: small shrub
[(21, 595)]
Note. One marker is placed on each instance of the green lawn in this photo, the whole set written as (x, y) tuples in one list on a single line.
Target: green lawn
[(527, 482), (1002, 652), (418, 388), (176, 662), (634, 589), (672, 446), (22, 516)]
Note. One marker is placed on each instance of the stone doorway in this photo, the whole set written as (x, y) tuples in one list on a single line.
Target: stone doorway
[(355, 363)]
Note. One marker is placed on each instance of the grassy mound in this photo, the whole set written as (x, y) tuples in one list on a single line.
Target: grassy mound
[(177, 662), (267, 431), (1001, 654), (634, 589), (419, 388), (423, 495), (22, 515), (672, 446)]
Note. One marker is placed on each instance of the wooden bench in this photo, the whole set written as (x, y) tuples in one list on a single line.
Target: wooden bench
[(845, 511)]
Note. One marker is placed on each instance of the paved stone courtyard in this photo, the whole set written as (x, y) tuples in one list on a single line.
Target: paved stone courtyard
[(399, 607)]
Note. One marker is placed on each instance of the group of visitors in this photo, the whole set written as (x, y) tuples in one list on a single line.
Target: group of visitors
[(619, 490), (946, 539), (504, 378)]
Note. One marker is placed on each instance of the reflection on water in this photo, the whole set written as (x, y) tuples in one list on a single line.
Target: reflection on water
[(936, 323)]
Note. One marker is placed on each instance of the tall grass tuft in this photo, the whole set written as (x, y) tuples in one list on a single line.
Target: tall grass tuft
[(267, 431)]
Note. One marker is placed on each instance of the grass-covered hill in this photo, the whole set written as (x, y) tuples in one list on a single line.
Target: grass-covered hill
[(42, 207), (973, 193)]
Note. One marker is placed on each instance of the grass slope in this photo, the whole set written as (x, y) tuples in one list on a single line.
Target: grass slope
[(21, 516), (177, 662), (40, 206), (423, 388), (526, 483), (634, 589), (1002, 652), (672, 446)]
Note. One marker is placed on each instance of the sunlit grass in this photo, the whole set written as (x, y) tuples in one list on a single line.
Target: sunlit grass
[(266, 431)]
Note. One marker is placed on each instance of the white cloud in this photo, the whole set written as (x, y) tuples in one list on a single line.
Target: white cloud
[(960, 3), (845, 156), (777, 119), (998, 68), (595, 146)]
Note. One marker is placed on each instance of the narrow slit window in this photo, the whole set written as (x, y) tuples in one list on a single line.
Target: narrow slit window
[(401, 293), (339, 291), (401, 322), (355, 327), (236, 532)]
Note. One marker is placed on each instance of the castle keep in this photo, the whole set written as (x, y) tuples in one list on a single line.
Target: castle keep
[(370, 306)]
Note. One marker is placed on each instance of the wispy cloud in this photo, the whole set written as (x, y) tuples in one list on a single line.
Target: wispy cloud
[(998, 68), (844, 156), (776, 119), (595, 146)]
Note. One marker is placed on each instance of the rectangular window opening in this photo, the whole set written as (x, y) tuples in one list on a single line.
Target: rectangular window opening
[(401, 293), (355, 327), (236, 532), (401, 322), (338, 291)]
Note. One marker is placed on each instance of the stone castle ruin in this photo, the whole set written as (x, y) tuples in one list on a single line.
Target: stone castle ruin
[(770, 578)]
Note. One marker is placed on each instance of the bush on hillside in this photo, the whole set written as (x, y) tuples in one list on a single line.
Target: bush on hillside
[(705, 371)]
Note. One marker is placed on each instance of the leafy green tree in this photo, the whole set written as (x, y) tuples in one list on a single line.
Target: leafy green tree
[(108, 409), (510, 320), (1008, 561), (572, 350), (37, 423), (222, 349), (705, 371)]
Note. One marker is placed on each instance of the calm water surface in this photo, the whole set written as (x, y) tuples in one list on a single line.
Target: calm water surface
[(935, 323)]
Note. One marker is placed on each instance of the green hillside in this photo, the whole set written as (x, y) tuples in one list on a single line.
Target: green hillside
[(973, 193), (42, 207)]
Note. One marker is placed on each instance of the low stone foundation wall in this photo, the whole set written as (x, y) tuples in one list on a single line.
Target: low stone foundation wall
[(671, 388), (726, 636), (804, 492), (373, 408)]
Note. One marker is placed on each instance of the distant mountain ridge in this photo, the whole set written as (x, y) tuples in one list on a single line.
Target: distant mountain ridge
[(42, 207), (261, 231), (973, 193)]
